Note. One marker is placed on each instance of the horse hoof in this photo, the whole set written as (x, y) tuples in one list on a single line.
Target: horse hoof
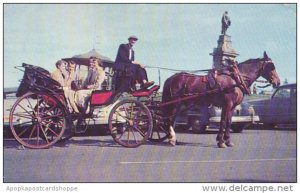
[(222, 145), (172, 142), (229, 144)]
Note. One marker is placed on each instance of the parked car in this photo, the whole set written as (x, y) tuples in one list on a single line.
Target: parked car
[(199, 118), (280, 108)]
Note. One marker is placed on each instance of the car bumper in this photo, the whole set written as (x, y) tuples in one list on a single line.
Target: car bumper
[(236, 119)]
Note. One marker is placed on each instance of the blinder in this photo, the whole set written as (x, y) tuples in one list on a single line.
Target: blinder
[(268, 66), (267, 69)]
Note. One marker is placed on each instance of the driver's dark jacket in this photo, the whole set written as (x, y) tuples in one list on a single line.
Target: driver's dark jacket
[(122, 59)]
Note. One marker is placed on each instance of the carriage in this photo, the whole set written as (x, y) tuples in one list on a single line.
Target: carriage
[(40, 117)]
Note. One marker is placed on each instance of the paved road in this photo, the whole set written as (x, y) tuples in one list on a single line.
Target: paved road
[(259, 156)]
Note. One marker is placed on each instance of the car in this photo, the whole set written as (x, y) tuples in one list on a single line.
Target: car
[(280, 108), (199, 118)]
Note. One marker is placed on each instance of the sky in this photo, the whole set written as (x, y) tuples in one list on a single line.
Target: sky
[(177, 36)]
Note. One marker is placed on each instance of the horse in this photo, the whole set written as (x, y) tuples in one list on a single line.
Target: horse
[(227, 94)]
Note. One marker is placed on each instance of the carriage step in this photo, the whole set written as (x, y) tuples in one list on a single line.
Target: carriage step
[(145, 93)]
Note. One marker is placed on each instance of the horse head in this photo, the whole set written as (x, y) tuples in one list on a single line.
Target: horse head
[(269, 72)]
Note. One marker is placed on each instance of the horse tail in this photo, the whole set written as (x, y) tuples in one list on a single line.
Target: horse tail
[(167, 89), (167, 96), (169, 93)]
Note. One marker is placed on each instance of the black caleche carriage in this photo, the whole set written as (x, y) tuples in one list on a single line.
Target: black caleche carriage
[(40, 117)]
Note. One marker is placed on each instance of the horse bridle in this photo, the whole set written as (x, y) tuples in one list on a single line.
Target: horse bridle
[(268, 67)]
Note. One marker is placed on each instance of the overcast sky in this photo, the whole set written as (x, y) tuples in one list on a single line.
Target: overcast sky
[(179, 36)]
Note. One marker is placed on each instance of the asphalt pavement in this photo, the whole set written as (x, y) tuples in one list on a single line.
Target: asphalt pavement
[(258, 156)]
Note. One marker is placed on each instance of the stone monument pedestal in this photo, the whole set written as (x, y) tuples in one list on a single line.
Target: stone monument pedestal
[(223, 52)]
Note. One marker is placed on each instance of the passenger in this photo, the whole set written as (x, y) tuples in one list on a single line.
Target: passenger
[(254, 89), (71, 73), (128, 71), (63, 76), (60, 74), (69, 92), (93, 81)]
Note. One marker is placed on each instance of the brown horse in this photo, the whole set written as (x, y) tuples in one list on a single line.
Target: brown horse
[(228, 93)]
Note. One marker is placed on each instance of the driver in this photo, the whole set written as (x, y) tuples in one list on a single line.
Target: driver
[(128, 71)]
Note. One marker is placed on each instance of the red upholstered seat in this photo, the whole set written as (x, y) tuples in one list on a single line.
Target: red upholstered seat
[(101, 97), (145, 93)]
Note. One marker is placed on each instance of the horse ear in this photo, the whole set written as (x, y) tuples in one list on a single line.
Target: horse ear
[(265, 55)]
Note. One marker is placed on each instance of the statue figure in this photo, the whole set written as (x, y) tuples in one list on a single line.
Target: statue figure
[(225, 22)]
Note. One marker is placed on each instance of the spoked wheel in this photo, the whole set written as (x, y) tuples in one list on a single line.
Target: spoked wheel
[(37, 120), (159, 133), (130, 123)]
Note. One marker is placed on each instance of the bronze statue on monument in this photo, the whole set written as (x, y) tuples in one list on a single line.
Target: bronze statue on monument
[(224, 54), (225, 22)]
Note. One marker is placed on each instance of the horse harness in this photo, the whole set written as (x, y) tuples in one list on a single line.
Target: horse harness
[(235, 73), (214, 85)]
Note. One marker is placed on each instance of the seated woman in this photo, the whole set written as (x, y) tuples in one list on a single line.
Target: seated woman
[(69, 92), (60, 73), (93, 81), (65, 77)]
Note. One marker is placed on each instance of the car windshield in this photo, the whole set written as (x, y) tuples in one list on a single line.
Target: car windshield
[(283, 93)]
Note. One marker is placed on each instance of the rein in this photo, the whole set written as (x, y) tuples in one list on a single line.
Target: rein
[(236, 75), (245, 89), (175, 70), (263, 81), (267, 85)]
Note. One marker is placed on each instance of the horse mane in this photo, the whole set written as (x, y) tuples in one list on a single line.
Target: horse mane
[(251, 61), (247, 65)]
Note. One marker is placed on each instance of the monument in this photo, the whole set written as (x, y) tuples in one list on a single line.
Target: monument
[(224, 50)]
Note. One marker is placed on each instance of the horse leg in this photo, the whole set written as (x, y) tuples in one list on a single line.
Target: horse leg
[(172, 136), (227, 129), (220, 136), (169, 124), (223, 136)]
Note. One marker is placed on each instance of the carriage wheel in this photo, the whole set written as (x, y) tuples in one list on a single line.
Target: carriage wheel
[(159, 133), (37, 120), (130, 123)]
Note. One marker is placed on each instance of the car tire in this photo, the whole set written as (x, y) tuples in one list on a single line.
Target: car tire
[(269, 125), (238, 128), (197, 126)]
